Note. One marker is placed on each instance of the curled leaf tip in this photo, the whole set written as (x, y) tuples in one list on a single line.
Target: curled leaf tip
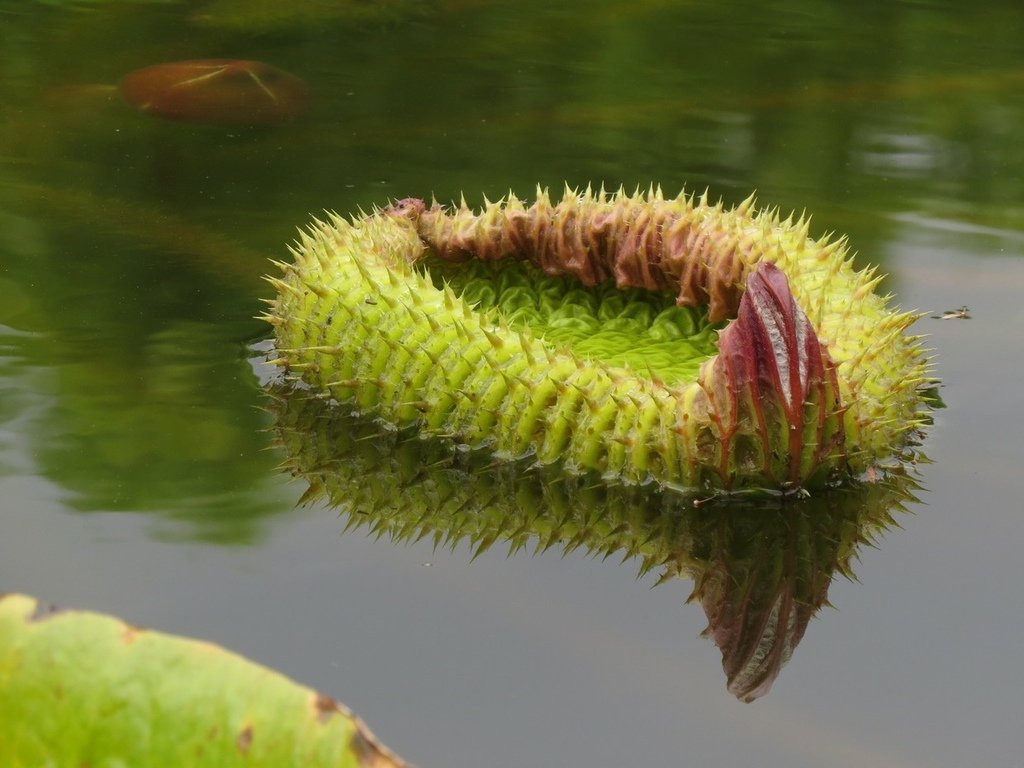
[(772, 372)]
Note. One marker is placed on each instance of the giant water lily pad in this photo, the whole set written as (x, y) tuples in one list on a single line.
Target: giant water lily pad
[(83, 689), (588, 344)]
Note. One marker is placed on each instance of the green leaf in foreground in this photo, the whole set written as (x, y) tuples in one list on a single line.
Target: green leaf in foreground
[(83, 689)]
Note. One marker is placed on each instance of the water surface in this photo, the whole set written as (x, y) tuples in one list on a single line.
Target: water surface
[(138, 475)]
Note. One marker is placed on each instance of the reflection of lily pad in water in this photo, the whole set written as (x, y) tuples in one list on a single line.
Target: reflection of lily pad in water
[(760, 570), (761, 575), (81, 689), (217, 91)]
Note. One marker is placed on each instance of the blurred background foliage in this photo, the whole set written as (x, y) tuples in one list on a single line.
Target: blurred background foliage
[(131, 249)]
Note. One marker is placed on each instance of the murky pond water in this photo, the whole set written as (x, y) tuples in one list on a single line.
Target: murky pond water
[(138, 473)]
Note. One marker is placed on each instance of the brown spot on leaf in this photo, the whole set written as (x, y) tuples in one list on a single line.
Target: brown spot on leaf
[(325, 707), (369, 752), (244, 740), (129, 634)]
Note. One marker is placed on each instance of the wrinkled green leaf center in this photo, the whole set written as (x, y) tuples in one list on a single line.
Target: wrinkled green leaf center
[(633, 327)]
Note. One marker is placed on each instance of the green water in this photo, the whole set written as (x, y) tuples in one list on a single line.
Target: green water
[(138, 467)]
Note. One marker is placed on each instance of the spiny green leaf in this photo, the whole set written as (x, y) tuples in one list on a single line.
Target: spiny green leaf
[(551, 332)]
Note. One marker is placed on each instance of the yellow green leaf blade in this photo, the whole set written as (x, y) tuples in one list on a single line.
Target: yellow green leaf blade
[(80, 688)]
